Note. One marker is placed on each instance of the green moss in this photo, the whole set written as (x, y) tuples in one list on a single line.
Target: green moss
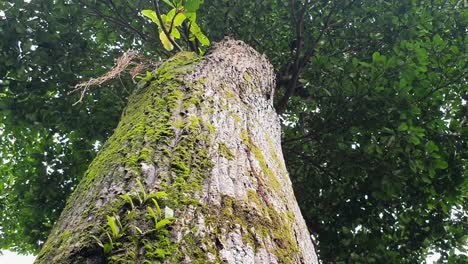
[(252, 196), (247, 77), (196, 254), (266, 222), (148, 132), (152, 131), (277, 160), (146, 154), (179, 123), (211, 128), (237, 119), (225, 152), (263, 164), (230, 94), (194, 122)]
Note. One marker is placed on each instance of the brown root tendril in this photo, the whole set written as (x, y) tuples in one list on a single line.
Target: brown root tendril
[(129, 58)]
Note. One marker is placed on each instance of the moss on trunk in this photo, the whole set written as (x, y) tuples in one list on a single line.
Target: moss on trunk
[(190, 175)]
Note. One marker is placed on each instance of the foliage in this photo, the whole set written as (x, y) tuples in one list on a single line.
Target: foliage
[(114, 232), (372, 94), (378, 147), (180, 21)]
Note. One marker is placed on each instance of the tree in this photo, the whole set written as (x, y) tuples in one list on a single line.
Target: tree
[(374, 130), (192, 173)]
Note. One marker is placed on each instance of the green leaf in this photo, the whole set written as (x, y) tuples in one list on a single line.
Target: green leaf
[(142, 189), (117, 221), (431, 147), (191, 16), (403, 127), (455, 50), (166, 21), (203, 39), (151, 15), (152, 214), (192, 5), (137, 194), (109, 237), (108, 248), (416, 110), (194, 28), (130, 215), (175, 33), (425, 179), (175, 21), (98, 241), (403, 83), (165, 41), (196, 31), (137, 229), (164, 222), (114, 228), (414, 140), (11, 180), (437, 40), (170, 15), (376, 56), (421, 55), (157, 195), (168, 2), (127, 198), (365, 64), (440, 164), (179, 19), (158, 209), (148, 76)]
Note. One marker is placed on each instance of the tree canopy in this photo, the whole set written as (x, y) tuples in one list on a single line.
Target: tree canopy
[(372, 95)]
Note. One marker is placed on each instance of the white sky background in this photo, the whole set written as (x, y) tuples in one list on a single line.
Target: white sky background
[(13, 258)]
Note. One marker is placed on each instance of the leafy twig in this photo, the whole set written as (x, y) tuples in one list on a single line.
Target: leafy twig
[(168, 35)]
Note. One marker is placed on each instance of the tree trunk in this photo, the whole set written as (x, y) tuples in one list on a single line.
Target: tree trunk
[(193, 173)]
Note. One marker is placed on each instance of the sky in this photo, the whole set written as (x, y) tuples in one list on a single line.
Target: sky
[(13, 258)]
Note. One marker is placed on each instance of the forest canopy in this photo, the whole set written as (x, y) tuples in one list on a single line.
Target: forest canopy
[(372, 95)]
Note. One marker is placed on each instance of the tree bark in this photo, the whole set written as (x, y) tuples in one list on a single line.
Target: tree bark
[(203, 139)]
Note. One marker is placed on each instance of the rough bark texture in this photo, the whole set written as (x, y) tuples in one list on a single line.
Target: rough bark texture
[(204, 132)]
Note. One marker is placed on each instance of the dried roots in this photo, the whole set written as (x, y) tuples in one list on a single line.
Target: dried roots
[(130, 58)]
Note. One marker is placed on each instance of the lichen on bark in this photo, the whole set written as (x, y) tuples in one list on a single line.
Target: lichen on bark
[(203, 131)]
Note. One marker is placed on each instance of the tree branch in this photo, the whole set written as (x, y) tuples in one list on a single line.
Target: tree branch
[(173, 19), (158, 14), (295, 66), (300, 63), (115, 21)]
